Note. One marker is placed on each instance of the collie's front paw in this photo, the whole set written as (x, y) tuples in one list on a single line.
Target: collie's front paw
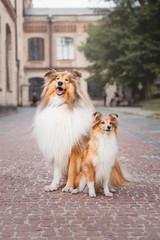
[(112, 190), (74, 191), (51, 188), (92, 194), (108, 194), (67, 189)]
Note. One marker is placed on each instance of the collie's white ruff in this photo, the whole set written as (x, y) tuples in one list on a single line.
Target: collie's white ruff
[(57, 130)]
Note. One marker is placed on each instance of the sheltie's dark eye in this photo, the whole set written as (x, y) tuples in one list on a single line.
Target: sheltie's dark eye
[(103, 122), (110, 123), (66, 79), (57, 78)]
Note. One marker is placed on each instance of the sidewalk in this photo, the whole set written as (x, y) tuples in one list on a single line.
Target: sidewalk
[(27, 212)]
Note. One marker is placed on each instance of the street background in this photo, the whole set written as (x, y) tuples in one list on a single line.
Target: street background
[(28, 212)]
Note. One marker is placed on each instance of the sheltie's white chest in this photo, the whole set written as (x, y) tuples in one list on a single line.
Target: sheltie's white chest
[(107, 151), (58, 129)]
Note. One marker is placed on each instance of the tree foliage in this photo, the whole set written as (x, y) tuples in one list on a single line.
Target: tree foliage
[(124, 48)]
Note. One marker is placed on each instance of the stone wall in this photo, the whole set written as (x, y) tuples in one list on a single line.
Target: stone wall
[(11, 64), (8, 71)]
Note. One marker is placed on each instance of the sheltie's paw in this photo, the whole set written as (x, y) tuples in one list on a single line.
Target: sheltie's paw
[(92, 194), (112, 190), (67, 189), (51, 188), (108, 194), (74, 191)]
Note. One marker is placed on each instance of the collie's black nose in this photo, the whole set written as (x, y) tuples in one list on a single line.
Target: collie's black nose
[(60, 83), (108, 127)]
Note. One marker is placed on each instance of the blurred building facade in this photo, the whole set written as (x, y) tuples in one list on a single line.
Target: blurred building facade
[(51, 39), (34, 40), (11, 54)]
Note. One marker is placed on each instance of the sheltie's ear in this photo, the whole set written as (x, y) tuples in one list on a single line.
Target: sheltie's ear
[(76, 74), (97, 115), (96, 119), (114, 117), (51, 74)]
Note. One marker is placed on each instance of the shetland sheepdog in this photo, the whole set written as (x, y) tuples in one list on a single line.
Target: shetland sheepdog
[(62, 125), (99, 158)]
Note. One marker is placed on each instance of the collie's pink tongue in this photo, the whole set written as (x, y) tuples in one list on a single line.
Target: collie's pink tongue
[(60, 91)]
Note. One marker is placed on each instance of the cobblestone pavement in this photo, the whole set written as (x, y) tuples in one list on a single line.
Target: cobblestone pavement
[(27, 212)]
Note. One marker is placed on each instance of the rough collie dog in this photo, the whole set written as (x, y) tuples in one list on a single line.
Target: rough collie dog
[(99, 158), (62, 125)]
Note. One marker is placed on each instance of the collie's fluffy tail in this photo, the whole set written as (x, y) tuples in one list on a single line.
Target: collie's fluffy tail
[(118, 176)]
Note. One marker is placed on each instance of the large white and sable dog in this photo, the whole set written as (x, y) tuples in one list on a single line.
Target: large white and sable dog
[(62, 125)]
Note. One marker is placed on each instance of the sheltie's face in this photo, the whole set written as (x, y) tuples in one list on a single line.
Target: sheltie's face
[(62, 84), (105, 124)]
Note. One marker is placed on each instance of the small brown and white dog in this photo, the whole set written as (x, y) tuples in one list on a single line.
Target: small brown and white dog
[(62, 125), (99, 158)]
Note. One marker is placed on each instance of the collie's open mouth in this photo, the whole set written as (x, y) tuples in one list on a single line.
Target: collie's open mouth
[(60, 91), (107, 130)]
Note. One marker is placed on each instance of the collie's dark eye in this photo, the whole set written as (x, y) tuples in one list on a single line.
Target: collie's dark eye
[(57, 78), (66, 79), (103, 122), (110, 123)]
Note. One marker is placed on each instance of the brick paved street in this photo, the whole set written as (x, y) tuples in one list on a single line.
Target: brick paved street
[(27, 212)]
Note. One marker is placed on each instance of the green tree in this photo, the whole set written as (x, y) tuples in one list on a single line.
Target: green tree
[(124, 48)]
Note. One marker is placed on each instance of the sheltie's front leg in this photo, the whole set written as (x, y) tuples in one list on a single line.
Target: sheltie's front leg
[(55, 182), (90, 177), (72, 171), (106, 186)]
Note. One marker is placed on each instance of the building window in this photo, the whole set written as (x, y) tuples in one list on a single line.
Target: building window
[(65, 48), (36, 49), (8, 57)]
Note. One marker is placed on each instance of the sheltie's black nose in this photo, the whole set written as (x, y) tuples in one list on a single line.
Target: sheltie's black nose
[(60, 83), (108, 127)]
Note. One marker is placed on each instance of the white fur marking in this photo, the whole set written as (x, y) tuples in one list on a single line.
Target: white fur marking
[(103, 162), (67, 189), (55, 182), (91, 189), (75, 191), (58, 129)]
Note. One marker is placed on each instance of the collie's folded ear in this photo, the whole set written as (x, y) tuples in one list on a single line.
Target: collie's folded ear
[(96, 115), (76, 74), (113, 115), (114, 119), (50, 72), (96, 119)]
